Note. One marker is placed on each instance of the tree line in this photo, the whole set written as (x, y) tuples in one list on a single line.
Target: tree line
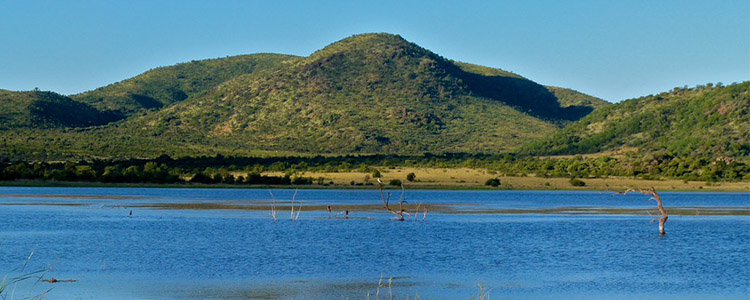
[(249, 170)]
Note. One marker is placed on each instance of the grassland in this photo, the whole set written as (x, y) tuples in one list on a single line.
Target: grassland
[(466, 178), (433, 178)]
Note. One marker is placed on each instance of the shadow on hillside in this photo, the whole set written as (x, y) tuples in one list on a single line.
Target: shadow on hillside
[(524, 94)]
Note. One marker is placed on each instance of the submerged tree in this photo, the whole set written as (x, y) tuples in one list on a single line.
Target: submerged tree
[(386, 202), (662, 217)]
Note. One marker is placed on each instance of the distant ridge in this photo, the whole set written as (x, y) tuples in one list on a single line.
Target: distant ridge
[(38, 109), (166, 85)]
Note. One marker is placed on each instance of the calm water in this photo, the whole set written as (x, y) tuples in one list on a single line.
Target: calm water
[(87, 234)]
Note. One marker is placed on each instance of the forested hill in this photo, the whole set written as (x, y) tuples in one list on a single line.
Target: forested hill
[(166, 85), (37, 109), (370, 93), (706, 121)]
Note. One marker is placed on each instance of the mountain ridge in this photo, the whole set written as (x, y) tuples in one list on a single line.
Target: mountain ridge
[(365, 93), (163, 86), (368, 93), (40, 109)]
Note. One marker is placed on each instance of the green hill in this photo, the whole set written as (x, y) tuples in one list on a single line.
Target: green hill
[(166, 85), (369, 93), (37, 109), (364, 94), (707, 121)]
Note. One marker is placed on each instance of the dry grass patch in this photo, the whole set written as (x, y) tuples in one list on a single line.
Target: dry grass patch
[(476, 178)]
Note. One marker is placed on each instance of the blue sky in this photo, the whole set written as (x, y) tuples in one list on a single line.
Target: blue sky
[(611, 49)]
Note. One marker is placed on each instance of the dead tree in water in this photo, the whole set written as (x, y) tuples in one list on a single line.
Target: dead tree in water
[(386, 199), (662, 217)]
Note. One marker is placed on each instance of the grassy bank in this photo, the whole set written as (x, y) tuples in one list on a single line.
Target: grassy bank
[(433, 178), (466, 178)]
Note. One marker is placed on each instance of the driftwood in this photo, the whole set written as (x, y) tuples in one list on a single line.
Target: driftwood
[(53, 280), (386, 199), (662, 217)]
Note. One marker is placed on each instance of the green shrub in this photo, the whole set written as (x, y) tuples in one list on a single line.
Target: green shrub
[(411, 177), (577, 182), (494, 182), (302, 180)]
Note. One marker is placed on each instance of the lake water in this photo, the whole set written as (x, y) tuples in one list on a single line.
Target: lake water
[(223, 244)]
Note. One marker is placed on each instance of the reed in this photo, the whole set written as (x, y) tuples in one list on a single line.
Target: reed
[(291, 214), (482, 292), (390, 290), (380, 284), (389, 286), (23, 275), (273, 206)]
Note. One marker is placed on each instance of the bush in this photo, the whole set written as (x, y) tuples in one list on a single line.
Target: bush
[(494, 182), (577, 182), (302, 180), (395, 182), (411, 176), (200, 178)]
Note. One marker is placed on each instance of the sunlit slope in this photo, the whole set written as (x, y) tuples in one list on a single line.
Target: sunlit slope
[(707, 121), (166, 85)]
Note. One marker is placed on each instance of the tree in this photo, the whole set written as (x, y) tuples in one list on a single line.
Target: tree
[(386, 202), (200, 178), (411, 177), (662, 217), (577, 182), (85, 173), (131, 173), (494, 182)]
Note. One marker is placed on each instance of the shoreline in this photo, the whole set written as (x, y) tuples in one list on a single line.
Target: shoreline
[(593, 184)]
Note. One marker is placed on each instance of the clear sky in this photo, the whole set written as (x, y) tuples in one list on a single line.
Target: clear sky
[(611, 49)]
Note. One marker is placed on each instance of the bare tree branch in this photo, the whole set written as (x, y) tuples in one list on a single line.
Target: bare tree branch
[(662, 217), (400, 213)]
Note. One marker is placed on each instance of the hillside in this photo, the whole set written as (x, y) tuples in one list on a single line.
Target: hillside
[(371, 93), (37, 109), (569, 97), (166, 85), (574, 104), (707, 121)]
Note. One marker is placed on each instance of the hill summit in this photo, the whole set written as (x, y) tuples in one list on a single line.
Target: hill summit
[(372, 93)]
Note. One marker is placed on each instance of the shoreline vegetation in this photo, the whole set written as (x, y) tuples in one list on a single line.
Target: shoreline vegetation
[(428, 171), (423, 178)]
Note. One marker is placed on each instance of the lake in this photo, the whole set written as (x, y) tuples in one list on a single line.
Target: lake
[(224, 244)]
